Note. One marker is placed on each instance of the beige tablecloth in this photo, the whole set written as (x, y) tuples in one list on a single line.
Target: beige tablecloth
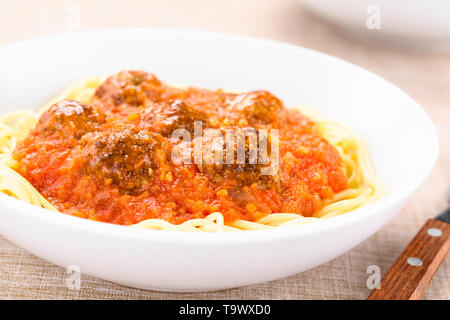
[(425, 76)]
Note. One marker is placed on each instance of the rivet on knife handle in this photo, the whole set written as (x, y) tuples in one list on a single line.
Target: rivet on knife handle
[(410, 275)]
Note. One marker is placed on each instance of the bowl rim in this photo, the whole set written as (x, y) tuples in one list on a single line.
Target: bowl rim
[(173, 236)]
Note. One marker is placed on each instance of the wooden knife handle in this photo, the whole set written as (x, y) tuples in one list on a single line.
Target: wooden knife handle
[(409, 276)]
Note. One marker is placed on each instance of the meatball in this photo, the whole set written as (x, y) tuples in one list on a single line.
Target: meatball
[(127, 88), (127, 157), (167, 116), (69, 118), (259, 108), (235, 158), (241, 174), (244, 174)]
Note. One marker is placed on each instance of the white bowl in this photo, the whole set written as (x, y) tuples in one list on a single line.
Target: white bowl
[(401, 138), (409, 23)]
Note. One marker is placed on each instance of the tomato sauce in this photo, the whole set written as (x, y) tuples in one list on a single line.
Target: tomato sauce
[(110, 160)]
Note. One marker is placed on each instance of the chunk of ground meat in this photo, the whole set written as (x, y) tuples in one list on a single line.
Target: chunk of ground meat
[(69, 118), (167, 116), (259, 108), (127, 89), (128, 158), (246, 166)]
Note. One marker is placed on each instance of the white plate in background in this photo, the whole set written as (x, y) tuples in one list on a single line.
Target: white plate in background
[(416, 24)]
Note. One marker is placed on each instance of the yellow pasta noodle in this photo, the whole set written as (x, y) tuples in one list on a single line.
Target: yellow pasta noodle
[(363, 185)]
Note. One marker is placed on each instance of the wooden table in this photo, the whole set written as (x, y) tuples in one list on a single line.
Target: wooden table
[(425, 76)]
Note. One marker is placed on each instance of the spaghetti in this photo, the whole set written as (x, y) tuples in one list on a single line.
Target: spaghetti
[(363, 186)]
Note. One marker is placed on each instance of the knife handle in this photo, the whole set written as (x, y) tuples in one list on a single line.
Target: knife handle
[(409, 276)]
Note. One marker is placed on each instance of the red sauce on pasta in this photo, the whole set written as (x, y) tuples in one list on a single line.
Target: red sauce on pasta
[(110, 160)]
